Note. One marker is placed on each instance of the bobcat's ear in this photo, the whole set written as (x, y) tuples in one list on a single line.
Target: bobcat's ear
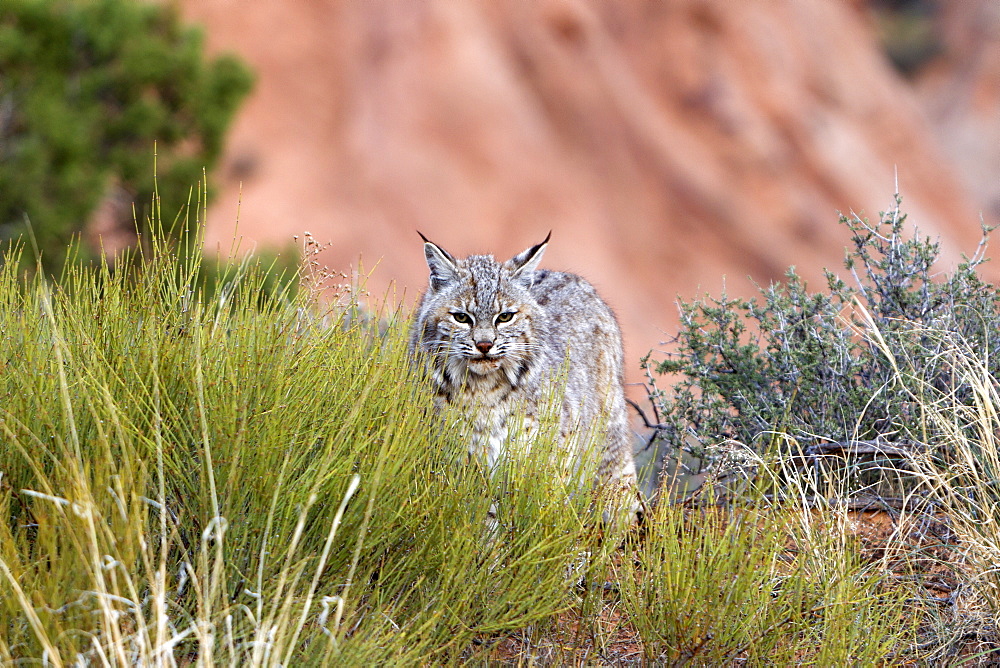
[(523, 264), (441, 264)]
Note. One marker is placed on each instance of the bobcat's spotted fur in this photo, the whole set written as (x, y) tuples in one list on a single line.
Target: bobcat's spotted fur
[(494, 336)]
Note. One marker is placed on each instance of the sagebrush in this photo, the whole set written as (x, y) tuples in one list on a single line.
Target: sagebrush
[(792, 366)]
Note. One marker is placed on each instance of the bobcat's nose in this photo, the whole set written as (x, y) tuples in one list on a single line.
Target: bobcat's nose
[(484, 346)]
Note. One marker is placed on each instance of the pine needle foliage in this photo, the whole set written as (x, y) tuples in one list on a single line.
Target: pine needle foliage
[(86, 89)]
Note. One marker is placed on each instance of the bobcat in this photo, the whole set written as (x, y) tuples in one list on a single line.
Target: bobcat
[(494, 337)]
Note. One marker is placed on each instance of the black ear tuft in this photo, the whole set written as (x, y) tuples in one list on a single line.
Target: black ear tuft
[(524, 264), (442, 265)]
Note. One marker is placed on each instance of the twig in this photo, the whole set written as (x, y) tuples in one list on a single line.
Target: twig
[(856, 504), (877, 447), (866, 503), (659, 426)]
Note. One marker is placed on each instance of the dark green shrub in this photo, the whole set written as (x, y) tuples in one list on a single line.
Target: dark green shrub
[(86, 88), (799, 363)]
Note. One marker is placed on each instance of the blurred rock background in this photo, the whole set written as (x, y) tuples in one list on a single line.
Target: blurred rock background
[(673, 147)]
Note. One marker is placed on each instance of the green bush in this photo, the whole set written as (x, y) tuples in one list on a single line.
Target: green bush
[(798, 363), (86, 88)]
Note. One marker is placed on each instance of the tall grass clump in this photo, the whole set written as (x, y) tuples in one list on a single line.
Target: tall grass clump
[(238, 475), (88, 87), (757, 582), (957, 468)]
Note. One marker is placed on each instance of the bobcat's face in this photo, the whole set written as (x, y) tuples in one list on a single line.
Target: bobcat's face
[(478, 317), (482, 337)]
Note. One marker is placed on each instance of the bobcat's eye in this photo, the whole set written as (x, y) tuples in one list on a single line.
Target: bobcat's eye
[(505, 316), (462, 318)]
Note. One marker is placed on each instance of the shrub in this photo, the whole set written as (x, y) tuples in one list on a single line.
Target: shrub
[(86, 88), (796, 363)]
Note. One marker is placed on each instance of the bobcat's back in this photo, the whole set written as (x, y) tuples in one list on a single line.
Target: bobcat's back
[(493, 336)]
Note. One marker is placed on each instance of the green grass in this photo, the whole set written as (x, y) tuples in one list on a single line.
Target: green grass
[(764, 580), (252, 481), (248, 480)]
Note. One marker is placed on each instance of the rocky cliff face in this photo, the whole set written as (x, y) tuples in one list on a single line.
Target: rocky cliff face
[(670, 146), (960, 91)]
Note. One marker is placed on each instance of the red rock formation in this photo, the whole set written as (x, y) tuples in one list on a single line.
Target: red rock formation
[(961, 92), (666, 144)]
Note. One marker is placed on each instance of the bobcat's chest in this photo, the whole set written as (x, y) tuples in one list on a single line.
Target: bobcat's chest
[(492, 407)]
